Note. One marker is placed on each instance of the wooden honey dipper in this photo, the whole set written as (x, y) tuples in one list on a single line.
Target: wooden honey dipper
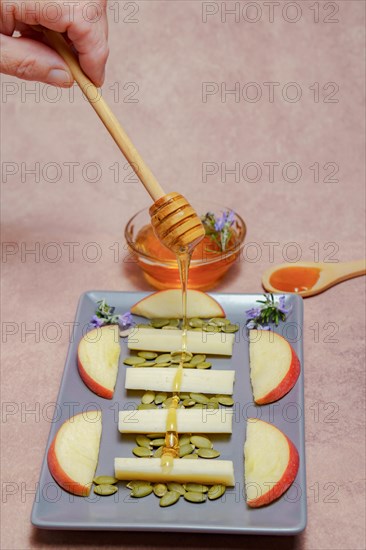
[(174, 220)]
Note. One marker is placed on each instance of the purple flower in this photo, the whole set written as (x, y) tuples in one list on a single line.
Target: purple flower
[(97, 322), (125, 320), (282, 305), (253, 312), (230, 217), (220, 223)]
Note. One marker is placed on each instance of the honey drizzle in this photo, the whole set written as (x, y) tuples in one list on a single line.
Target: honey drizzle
[(171, 447)]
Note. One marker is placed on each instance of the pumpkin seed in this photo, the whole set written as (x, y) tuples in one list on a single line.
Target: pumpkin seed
[(196, 359), (143, 441), (141, 452), (146, 364), (160, 398), (212, 405), (208, 453), (195, 488), (168, 327), (188, 366), (199, 329), (195, 497), (176, 487), (178, 356), (159, 323), (186, 449), (193, 455), (184, 396), (211, 328), (188, 402), (214, 399), (105, 490), (199, 398), (225, 400), (141, 491), (147, 354), (158, 442), (219, 321), (146, 406), (148, 397), (163, 358), (171, 497), (174, 322), (204, 365), (136, 483), (160, 489), (162, 365), (216, 491), (143, 325), (131, 361), (201, 442), (184, 440), (105, 480), (199, 406), (230, 328), (155, 436), (195, 322), (159, 452)]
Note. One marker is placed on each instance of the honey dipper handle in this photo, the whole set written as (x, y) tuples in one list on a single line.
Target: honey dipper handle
[(109, 120)]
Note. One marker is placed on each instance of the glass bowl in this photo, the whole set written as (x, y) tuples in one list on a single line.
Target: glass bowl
[(208, 265)]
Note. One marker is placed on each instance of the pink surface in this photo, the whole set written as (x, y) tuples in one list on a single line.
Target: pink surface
[(162, 61)]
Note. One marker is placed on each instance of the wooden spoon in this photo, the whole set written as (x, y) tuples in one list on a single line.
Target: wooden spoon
[(174, 220), (309, 278)]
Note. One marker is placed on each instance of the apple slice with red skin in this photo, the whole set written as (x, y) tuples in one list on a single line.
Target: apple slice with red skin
[(168, 304), (271, 463), (274, 366), (73, 455), (98, 355)]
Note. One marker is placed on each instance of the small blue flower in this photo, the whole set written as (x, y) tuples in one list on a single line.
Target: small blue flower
[(125, 320), (97, 322), (282, 305), (253, 312)]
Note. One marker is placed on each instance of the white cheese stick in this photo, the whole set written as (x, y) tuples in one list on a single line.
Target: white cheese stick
[(210, 472), (151, 339), (193, 380), (207, 421)]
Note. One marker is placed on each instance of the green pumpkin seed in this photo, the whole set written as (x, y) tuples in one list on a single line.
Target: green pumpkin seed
[(143, 441), (219, 321), (158, 442), (199, 398), (143, 325), (199, 406), (155, 436), (184, 396), (230, 328), (199, 329), (204, 365), (184, 440), (196, 359), (186, 449), (195, 322), (174, 322), (105, 480), (159, 452), (208, 453), (146, 406), (168, 327), (178, 356), (195, 497), (160, 489), (195, 488), (141, 452), (201, 442), (188, 402), (141, 491), (147, 364), (147, 354), (225, 400), (193, 455), (160, 398), (176, 487), (212, 405), (216, 491), (163, 358), (131, 361), (171, 497), (162, 365), (105, 490), (136, 483), (214, 399), (148, 397), (159, 323), (211, 328), (188, 366)]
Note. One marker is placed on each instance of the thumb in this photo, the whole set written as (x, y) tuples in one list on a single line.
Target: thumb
[(32, 60)]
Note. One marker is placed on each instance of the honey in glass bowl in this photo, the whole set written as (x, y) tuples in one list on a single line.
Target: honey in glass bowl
[(208, 265)]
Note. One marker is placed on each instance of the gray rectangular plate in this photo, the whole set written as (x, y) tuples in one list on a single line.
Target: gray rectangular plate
[(56, 509)]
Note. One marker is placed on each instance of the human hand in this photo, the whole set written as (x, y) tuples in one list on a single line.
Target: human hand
[(30, 58)]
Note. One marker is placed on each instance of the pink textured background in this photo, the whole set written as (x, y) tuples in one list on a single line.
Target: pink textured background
[(168, 53)]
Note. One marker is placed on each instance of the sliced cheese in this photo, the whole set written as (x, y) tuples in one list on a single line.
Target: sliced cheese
[(183, 471), (198, 381), (151, 339), (218, 421)]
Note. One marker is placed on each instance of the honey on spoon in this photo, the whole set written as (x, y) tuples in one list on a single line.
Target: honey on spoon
[(310, 278)]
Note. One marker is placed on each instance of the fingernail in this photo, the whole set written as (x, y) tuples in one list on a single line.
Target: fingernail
[(59, 77)]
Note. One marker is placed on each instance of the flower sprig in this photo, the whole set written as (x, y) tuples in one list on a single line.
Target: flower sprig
[(104, 315), (219, 229), (270, 312)]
